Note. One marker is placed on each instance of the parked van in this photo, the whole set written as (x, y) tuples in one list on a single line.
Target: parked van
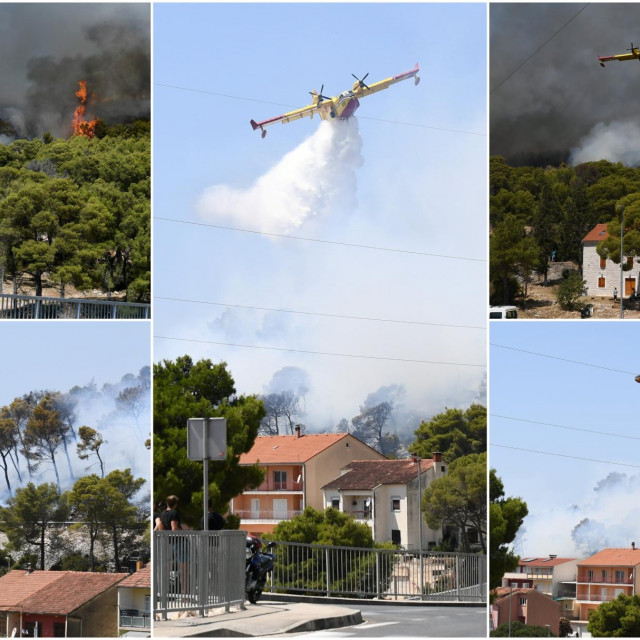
[(504, 312)]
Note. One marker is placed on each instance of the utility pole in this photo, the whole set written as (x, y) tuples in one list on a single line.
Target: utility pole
[(621, 210)]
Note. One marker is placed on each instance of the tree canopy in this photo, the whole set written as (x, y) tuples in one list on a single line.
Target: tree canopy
[(453, 433), (182, 390), (519, 629), (505, 518), (619, 618), (77, 212)]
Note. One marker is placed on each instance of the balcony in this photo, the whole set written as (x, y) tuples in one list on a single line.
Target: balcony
[(593, 597), (271, 485), (585, 579), (267, 514), (134, 619), (359, 515)]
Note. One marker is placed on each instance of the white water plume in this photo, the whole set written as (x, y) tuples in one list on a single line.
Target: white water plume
[(310, 181), (616, 142)]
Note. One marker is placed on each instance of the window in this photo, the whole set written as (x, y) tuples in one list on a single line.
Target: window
[(630, 262), (523, 602), (601, 282), (590, 579), (395, 504), (31, 630), (619, 576), (396, 536), (280, 480), (58, 630), (335, 503), (525, 585), (604, 575), (603, 263), (147, 604)]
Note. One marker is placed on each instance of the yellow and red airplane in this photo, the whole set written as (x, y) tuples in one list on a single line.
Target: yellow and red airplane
[(342, 106), (634, 55)]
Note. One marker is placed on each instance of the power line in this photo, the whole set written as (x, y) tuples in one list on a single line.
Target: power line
[(290, 106), (544, 44), (320, 353), (544, 355), (333, 242), (322, 315), (562, 455), (560, 426)]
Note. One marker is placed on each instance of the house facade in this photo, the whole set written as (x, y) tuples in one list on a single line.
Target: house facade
[(384, 494), (603, 276), (59, 604), (604, 576), (296, 467), (134, 602), (528, 606)]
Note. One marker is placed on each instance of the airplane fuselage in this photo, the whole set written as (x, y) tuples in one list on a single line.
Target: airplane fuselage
[(343, 107)]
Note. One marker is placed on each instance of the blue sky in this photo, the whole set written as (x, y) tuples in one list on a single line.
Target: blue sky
[(561, 492), (416, 182)]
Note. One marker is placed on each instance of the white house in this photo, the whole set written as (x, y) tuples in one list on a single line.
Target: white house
[(134, 604), (603, 276), (384, 495)]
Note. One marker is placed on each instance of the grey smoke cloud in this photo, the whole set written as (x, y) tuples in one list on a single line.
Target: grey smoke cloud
[(554, 103), (47, 48)]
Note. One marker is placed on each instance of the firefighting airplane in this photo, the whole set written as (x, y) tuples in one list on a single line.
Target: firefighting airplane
[(342, 106), (634, 55)]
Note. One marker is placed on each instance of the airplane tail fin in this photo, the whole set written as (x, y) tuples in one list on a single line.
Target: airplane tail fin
[(254, 124)]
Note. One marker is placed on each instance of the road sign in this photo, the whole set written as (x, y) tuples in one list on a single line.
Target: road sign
[(207, 439)]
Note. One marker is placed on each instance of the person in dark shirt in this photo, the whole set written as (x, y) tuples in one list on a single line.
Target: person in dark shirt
[(170, 520), (216, 521)]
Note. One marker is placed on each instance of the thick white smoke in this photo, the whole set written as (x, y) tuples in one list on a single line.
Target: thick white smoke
[(311, 180), (608, 517), (616, 141)]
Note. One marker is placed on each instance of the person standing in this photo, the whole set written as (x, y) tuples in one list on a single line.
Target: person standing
[(216, 521)]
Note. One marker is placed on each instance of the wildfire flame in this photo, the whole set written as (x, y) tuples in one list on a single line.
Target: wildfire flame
[(82, 127)]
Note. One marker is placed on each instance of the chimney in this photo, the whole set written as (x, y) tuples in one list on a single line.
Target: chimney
[(552, 556), (29, 568), (139, 565), (633, 546), (437, 456), (297, 428)]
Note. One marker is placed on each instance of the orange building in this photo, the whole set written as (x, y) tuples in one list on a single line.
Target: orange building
[(604, 576), (296, 468), (528, 606)]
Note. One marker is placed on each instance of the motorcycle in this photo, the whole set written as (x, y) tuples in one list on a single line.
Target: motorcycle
[(259, 564)]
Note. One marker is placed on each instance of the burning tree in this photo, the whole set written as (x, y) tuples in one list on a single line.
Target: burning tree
[(81, 126)]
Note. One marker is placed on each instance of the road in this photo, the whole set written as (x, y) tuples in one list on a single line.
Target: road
[(429, 621)]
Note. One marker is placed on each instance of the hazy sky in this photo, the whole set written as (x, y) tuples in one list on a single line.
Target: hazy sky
[(58, 355), (409, 174), (561, 492), (548, 92)]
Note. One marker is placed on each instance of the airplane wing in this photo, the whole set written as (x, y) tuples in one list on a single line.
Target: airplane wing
[(366, 90), (305, 112), (634, 55)]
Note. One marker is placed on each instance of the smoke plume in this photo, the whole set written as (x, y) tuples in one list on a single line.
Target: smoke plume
[(310, 181), (107, 46), (561, 98), (616, 142)]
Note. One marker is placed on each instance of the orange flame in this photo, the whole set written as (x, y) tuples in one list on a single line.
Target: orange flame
[(82, 127)]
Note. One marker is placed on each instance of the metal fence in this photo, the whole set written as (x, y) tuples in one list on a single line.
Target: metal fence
[(379, 573), (198, 570), (39, 307)]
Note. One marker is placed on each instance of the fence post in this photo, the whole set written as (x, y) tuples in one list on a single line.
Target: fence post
[(203, 570), (378, 552), (458, 577), (37, 315), (328, 571)]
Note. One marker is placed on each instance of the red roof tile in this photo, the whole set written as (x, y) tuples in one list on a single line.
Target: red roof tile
[(598, 233), (289, 449), (613, 558), (368, 474), (141, 578), (63, 593), (18, 584)]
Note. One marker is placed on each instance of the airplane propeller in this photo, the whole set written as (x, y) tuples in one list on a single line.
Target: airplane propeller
[(320, 96), (361, 82), (632, 48)]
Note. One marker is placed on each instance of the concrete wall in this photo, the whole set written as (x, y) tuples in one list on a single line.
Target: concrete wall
[(100, 616), (592, 271)]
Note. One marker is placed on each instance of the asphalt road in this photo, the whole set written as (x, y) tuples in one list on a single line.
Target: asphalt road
[(425, 622)]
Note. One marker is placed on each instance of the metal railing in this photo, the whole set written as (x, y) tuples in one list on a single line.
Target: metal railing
[(272, 485), (198, 570), (39, 307), (136, 622), (378, 573), (266, 514)]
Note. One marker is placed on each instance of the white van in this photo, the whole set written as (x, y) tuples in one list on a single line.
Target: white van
[(504, 312)]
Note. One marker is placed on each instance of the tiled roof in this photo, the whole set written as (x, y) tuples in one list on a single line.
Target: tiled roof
[(289, 449), (598, 233), (543, 562), (613, 558), (368, 474), (141, 578), (63, 593), (17, 585)]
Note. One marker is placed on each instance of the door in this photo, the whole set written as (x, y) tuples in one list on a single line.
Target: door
[(629, 286), (255, 508), (280, 509)]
